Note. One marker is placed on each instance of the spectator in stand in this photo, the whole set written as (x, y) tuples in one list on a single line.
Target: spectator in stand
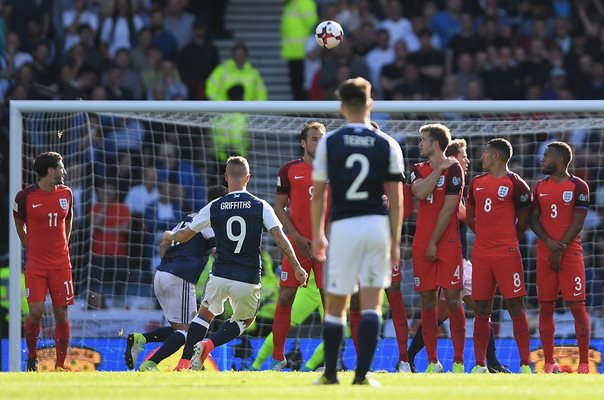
[(21, 11), (12, 59), (465, 72), (430, 63), (120, 30), (197, 61), (173, 168), (141, 195), (466, 41), (398, 27), (504, 81), (162, 38), (381, 55), (447, 23), (138, 54), (131, 79), (237, 70), (113, 85), (298, 20), (392, 74), (152, 71), (557, 85), (178, 22), (333, 60), (73, 18), (169, 84), (366, 39), (111, 223), (92, 56), (536, 69)]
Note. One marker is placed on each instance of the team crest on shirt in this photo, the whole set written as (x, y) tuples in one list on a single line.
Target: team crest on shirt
[(283, 276), (416, 281), (503, 191), (63, 203), (441, 181), (567, 196)]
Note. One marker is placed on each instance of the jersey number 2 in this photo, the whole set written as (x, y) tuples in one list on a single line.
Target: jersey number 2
[(353, 192), (236, 238)]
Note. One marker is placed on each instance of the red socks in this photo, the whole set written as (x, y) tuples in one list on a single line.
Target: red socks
[(582, 330), (355, 320), (62, 332), (429, 330), (523, 337), (481, 339), (31, 338), (281, 325), (458, 333), (399, 319), (546, 329)]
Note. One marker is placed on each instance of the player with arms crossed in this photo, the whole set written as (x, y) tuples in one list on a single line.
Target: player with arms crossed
[(458, 149), (294, 190), (560, 205), (174, 286), (43, 213), (437, 258), (358, 161), (498, 208), (238, 220)]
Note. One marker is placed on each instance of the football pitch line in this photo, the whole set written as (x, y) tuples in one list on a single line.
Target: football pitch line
[(293, 386)]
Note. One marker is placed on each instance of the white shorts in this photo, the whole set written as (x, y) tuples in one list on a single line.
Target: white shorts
[(176, 297), (358, 253), (467, 281), (244, 297)]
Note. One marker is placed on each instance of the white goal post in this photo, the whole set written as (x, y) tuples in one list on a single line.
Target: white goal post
[(405, 110)]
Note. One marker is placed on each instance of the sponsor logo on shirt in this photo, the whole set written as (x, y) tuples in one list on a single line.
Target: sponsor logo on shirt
[(567, 196), (503, 191)]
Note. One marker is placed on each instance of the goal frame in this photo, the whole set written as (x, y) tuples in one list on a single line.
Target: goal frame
[(17, 108)]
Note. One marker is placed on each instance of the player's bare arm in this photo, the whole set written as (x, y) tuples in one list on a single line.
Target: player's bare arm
[(286, 248), (535, 223), (302, 243), (164, 245), (182, 235), (461, 212), (422, 187), (575, 227), (522, 222), (317, 203), (470, 216), (450, 204), (395, 211), (68, 224), (21, 231)]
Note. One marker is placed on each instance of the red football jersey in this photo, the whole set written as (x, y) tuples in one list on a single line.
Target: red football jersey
[(407, 201), (295, 180), (108, 240), (449, 183), (495, 201), (44, 214), (558, 202)]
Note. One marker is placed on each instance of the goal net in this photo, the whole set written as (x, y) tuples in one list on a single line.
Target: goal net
[(136, 168)]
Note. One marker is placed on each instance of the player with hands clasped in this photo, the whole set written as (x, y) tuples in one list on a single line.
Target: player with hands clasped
[(560, 205), (498, 208)]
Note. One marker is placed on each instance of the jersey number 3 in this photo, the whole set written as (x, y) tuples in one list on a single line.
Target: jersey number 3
[(353, 192)]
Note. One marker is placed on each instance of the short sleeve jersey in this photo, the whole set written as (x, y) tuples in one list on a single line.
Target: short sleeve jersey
[(187, 260), (495, 201), (44, 214), (451, 182), (295, 181), (238, 220), (357, 160), (558, 202)]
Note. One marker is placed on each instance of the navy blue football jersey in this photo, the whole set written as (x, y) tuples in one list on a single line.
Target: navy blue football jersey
[(187, 260), (238, 220), (357, 160)]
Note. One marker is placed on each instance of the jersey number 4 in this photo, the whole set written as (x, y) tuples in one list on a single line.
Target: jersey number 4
[(353, 192)]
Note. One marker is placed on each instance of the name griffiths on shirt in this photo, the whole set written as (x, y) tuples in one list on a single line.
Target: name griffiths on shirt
[(234, 205), (359, 141)]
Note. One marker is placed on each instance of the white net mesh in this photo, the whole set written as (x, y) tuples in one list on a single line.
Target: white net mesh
[(155, 167)]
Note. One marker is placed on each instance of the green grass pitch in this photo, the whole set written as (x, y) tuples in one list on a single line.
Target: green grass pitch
[(294, 385)]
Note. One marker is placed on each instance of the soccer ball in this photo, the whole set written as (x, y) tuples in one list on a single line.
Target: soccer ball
[(329, 34)]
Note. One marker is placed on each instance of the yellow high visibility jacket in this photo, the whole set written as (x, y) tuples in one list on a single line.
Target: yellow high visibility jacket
[(229, 134), (297, 23), (227, 75), (4, 274)]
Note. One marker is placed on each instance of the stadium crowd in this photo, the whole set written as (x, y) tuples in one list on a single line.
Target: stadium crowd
[(409, 50)]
